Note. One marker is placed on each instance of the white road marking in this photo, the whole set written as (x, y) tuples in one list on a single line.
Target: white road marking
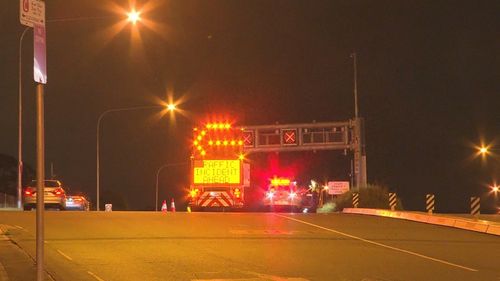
[(258, 277), (3, 273), (20, 227), (95, 276), (64, 255), (380, 244)]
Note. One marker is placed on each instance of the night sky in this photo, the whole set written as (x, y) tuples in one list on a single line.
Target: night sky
[(428, 82)]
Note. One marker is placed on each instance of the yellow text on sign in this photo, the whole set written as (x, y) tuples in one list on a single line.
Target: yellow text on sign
[(217, 172)]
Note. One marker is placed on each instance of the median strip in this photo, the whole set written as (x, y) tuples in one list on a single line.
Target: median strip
[(380, 244)]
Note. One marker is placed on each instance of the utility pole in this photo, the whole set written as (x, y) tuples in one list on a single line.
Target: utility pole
[(353, 55), (359, 139)]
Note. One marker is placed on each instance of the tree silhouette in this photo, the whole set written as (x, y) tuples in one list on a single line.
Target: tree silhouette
[(8, 174)]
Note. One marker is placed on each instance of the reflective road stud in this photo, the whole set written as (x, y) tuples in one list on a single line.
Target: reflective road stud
[(355, 199), (392, 201), (429, 203), (474, 206)]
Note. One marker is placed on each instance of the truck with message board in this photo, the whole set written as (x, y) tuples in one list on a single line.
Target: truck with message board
[(217, 167)]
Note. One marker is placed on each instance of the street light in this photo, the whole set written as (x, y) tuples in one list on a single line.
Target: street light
[(158, 175), (171, 107), (133, 16), (495, 189), (20, 125), (483, 150), (98, 134)]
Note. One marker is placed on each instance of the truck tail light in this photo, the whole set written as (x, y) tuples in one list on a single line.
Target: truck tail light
[(194, 192), (237, 193)]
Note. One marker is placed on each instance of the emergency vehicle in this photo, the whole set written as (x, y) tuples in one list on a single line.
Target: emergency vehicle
[(283, 192), (218, 172)]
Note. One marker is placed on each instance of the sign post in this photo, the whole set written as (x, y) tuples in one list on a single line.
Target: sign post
[(32, 13)]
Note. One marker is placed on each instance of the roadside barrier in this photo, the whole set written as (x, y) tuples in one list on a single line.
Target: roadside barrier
[(475, 206), (482, 226), (429, 203), (392, 200), (108, 207), (355, 199)]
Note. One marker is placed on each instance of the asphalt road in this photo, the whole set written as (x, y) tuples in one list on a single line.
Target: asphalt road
[(245, 247)]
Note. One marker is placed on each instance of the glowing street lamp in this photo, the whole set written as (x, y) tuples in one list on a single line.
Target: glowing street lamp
[(133, 16), (171, 107), (483, 150)]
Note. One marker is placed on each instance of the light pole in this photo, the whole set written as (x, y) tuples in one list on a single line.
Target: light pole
[(132, 17), (20, 125), (98, 137), (158, 175)]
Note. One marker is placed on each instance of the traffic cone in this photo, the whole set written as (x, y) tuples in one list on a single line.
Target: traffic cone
[(164, 206), (172, 205)]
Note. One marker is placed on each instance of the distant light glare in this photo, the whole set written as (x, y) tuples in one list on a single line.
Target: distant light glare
[(483, 150), (171, 107), (134, 16)]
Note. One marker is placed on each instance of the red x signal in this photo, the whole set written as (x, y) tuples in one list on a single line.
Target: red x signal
[(248, 138), (289, 136)]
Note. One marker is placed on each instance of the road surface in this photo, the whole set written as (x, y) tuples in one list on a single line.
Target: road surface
[(245, 247)]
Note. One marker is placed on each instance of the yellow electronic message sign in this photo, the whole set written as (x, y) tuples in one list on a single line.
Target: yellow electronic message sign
[(217, 172)]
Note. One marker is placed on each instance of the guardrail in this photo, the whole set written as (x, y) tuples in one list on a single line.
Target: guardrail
[(472, 225)]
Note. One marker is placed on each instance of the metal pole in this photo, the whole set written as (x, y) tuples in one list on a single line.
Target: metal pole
[(98, 160), (157, 179), (157, 176), (40, 176), (353, 55), (98, 146), (20, 126)]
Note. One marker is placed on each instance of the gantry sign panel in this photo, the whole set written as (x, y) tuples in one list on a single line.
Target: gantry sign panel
[(347, 135), (297, 137)]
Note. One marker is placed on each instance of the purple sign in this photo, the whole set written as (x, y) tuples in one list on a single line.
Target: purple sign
[(40, 60)]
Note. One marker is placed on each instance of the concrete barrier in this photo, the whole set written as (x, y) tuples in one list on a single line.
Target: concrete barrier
[(493, 229), (471, 225)]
